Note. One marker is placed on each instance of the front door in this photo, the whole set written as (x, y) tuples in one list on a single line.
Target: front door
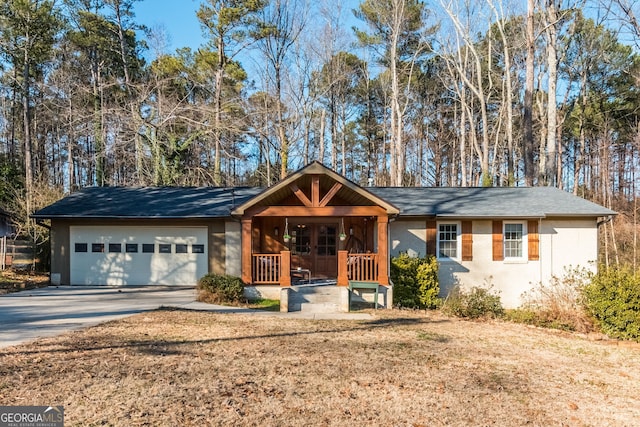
[(326, 250), (315, 247)]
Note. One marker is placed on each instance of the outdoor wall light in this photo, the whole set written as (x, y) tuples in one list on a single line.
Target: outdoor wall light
[(276, 231)]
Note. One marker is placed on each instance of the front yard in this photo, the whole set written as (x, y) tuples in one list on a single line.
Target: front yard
[(170, 367)]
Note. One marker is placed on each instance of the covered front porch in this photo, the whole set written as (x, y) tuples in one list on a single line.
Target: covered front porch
[(288, 250), (315, 224)]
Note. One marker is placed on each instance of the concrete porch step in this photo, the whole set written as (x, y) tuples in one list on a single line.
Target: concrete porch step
[(316, 299), (329, 299), (326, 307)]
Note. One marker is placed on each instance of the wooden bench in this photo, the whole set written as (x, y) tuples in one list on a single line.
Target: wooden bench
[(359, 284)]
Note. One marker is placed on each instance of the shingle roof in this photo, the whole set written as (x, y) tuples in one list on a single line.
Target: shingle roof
[(149, 202), (216, 202), (488, 202)]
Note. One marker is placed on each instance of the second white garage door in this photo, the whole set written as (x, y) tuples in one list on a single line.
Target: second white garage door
[(117, 256)]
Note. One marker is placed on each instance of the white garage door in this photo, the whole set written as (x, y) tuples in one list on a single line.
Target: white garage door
[(118, 256)]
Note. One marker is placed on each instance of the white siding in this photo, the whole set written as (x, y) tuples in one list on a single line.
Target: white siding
[(509, 279), (408, 236), (567, 244), (563, 243)]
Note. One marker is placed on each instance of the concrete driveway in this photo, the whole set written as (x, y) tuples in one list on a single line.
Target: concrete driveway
[(44, 312)]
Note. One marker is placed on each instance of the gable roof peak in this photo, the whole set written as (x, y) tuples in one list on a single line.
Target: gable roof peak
[(315, 168)]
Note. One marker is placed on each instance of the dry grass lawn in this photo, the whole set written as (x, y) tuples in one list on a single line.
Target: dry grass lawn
[(179, 368)]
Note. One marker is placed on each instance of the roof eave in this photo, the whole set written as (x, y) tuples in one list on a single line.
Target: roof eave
[(124, 217), (488, 216), (504, 216)]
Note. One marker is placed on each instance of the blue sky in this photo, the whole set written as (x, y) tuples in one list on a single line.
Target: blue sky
[(178, 17)]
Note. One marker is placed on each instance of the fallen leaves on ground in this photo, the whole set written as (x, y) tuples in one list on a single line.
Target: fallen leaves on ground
[(17, 280)]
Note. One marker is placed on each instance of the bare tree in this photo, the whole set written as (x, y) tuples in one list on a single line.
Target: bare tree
[(476, 82), (227, 23), (548, 152), (529, 84), (280, 24), (398, 27), (508, 98), (625, 12)]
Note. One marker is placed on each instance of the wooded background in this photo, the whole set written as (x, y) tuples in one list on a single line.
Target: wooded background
[(386, 92)]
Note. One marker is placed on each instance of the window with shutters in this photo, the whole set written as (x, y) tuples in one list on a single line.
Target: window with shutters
[(514, 240), (448, 240)]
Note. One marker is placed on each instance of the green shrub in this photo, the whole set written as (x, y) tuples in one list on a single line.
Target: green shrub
[(473, 304), (613, 299), (415, 281), (216, 288)]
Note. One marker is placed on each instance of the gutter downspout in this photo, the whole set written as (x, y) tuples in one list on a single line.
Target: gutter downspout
[(604, 221), (540, 256)]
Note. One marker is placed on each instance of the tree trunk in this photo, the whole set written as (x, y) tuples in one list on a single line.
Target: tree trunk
[(284, 143), (508, 98), (396, 155), (527, 116), (321, 146), (463, 140), (28, 149), (550, 167), (217, 123)]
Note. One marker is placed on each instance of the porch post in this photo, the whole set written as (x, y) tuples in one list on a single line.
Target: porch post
[(285, 268), (246, 251), (383, 250), (343, 275)]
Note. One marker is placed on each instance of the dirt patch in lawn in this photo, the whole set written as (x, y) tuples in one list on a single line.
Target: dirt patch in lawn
[(16, 280), (171, 367)]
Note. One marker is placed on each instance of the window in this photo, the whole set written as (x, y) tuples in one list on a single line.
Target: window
[(97, 247), (115, 247), (514, 235), (447, 240), (164, 248), (81, 247), (181, 248), (197, 249), (131, 247), (148, 248), (301, 240), (326, 244)]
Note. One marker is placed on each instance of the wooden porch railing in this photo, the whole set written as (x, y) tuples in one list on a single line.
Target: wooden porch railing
[(269, 269), (363, 267), (359, 267)]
